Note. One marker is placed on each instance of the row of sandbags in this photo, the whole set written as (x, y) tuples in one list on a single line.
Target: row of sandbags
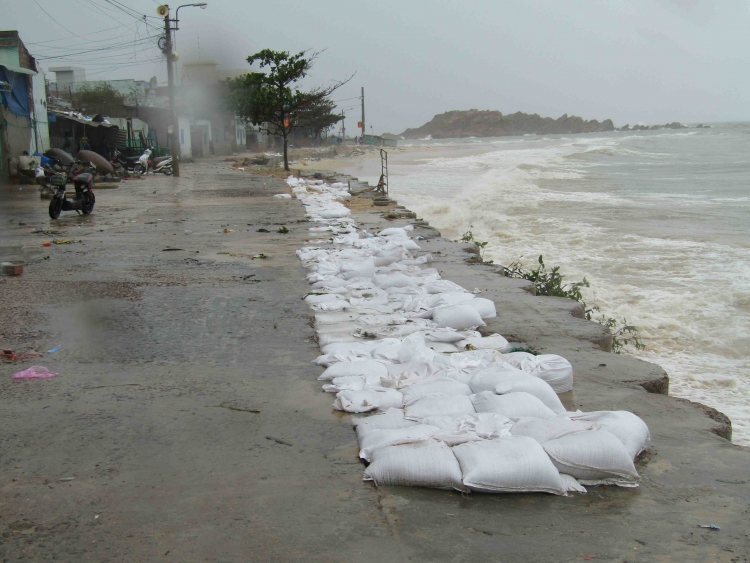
[(436, 404)]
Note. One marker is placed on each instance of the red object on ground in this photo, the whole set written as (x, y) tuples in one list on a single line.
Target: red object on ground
[(47, 244), (35, 372)]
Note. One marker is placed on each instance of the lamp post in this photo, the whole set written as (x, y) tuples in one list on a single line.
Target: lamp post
[(168, 29)]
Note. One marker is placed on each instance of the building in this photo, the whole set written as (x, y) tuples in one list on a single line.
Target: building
[(23, 111)]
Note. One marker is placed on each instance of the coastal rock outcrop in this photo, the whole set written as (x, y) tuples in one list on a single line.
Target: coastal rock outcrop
[(485, 123)]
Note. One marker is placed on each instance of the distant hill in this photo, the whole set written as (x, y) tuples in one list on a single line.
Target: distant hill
[(476, 123)]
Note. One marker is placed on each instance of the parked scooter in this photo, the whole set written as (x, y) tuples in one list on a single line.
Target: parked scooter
[(126, 162), (141, 167), (84, 199), (163, 165)]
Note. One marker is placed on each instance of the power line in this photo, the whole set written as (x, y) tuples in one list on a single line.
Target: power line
[(53, 19), (76, 37)]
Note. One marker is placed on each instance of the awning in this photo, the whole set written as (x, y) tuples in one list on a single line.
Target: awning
[(18, 69)]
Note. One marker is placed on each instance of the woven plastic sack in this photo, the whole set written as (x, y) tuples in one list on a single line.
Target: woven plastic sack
[(549, 429), (391, 418), (437, 405), (352, 383), (595, 457), (484, 307), (628, 427), (422, 464), (493, 342), (553, 369), (434, 386), (377, 439), (368, 400), (501, 380), (358, 269), (384, 281), (513, 464), (458, 317), (513, 405)]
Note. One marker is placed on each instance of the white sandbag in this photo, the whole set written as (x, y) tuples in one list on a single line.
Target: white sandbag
[(352, 383), (391, 418), (444, 334), (408, 244), (360, 347), (595, 457), (327, 360), (384, 281), (503, 379), (413, 349), (368, 400), (381, 438), (513, 405), (628, 427), (458, 317), (283, 196), (512, 464), (443, 347), (571, 484), (358, 269), (442, 286), (437, 405), (394, 232), (421, 464), (552, 368), (484, 307), (336, 337), (434, 386), (493, 342), (470, 427), (334, 212), (549, 429)]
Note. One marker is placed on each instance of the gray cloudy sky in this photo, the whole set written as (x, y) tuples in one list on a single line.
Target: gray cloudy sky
[(629, 60)]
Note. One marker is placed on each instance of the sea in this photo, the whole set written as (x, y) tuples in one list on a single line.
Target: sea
[(657, 221)]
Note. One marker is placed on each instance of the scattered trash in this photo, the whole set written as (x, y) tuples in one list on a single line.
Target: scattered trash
[(259, 257), (228, 231), (709, 526), (263, 231), (12, 268), (64, 479), (733, 481), (46, 244), (13, 357), (35, 372), (55, 349), (278, 441), (283, 230), (254, 411), (172, 249), (64, 241)]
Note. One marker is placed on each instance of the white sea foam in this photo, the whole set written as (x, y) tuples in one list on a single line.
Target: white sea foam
[(664, 257)]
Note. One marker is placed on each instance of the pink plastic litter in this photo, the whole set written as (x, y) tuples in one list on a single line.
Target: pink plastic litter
[(35, 372)]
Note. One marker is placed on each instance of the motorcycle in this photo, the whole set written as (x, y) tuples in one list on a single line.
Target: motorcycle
[(141, 167), (84, 199), (163, 165), (126, 162)]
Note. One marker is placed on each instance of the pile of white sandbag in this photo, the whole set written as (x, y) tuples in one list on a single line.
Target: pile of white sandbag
[(446, 407)]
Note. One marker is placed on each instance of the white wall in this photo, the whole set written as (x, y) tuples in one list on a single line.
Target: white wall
[(39, 95)]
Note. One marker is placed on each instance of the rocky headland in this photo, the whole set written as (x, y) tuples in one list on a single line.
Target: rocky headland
[(487, 123)]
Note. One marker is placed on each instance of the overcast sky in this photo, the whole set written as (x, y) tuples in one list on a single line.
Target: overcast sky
[(629, 60)]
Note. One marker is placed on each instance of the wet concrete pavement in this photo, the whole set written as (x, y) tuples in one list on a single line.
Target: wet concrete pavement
[(188, 413)]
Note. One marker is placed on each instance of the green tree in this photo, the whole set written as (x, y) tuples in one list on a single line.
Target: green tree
[(273, 96), (318, 116), (101, 98)]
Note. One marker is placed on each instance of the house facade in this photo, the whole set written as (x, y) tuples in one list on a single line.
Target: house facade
[(23, 102)]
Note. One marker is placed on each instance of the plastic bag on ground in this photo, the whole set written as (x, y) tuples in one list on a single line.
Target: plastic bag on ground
[(422, 464), (35, 372), (458, 317), (368, 400), (513, 464), (434, 386), (513, 405), (628, 427), (501, 380), (377, 439), (436, 405), (595, 457)]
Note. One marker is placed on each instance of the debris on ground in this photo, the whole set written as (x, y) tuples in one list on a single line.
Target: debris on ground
[(35, 372)]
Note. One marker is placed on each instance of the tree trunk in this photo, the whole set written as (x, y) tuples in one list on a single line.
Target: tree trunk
[(286, 142)]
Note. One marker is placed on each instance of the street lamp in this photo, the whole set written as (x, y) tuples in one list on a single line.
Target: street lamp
[(163, 11)]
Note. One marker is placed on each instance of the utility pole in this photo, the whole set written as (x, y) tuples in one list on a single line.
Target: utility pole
[(175, 137), (343, 129), (363, 114)]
